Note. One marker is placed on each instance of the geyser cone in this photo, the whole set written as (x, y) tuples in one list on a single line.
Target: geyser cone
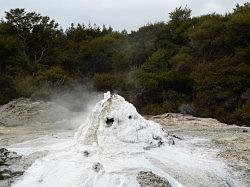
[(116, 121)]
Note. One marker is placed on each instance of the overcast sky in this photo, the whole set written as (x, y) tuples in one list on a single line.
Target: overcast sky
[(120, 14)]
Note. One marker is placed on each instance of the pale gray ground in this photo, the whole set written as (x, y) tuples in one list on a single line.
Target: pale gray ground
[(23, 120), (233, 142)]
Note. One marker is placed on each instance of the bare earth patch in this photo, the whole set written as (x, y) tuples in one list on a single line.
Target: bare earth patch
[(232, 142)]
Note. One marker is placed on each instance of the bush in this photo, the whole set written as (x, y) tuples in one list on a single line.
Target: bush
[(7, 89), (187, 109), (108, 81)]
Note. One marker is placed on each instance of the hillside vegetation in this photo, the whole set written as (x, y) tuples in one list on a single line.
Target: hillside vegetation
[(195, 65)]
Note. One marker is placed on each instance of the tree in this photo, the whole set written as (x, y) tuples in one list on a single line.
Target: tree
[(187, 64), (238, 26), (208, 38), (180, 14), (179, 24), (35, 32), (104, 54)]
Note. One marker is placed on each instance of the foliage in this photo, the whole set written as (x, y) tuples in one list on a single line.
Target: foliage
[(195, 65)]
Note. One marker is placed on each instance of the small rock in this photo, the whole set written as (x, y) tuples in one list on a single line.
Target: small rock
[(160, 143), (168, 115), (86, 153), (149, 179), (5, 175), (171, 141), (3, 150), (10, 167), (97, 166), (244, 130), (177, 137)]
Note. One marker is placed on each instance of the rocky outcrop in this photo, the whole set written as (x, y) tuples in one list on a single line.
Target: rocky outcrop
[(24, 111), (24, 119), (13, 165), (9, 167)]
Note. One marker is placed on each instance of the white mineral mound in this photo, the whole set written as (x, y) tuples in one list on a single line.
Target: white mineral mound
[(115, 123), (114, 145)]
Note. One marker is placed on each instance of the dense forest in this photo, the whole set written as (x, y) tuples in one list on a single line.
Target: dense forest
[(193, 65)]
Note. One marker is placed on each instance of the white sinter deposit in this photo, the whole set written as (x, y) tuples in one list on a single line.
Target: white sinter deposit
[(115, 123), (114, 145)]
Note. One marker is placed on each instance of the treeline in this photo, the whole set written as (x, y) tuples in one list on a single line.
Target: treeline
[(195, 65)]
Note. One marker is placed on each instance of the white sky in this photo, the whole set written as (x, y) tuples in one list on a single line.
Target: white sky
[(120, 14)]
